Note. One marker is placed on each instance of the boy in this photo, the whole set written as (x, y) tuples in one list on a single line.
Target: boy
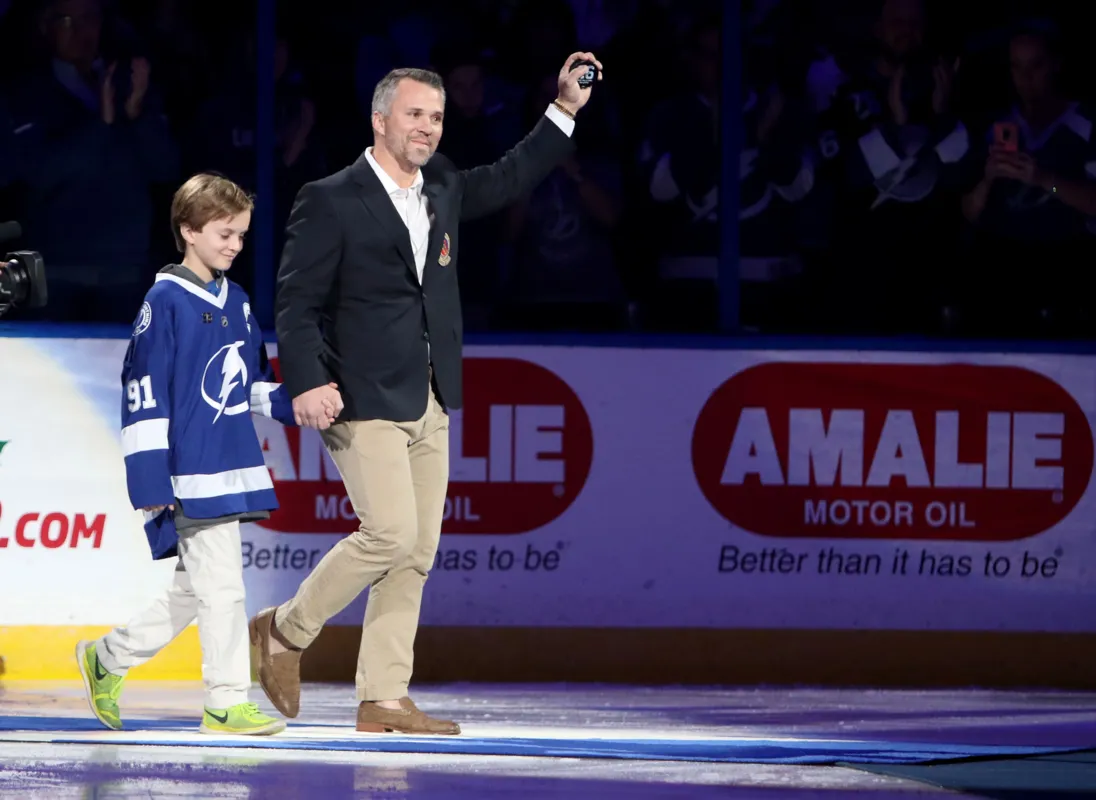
[(194, 371)]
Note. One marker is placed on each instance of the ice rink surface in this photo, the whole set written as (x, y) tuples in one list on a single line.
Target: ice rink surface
[(562, 741)]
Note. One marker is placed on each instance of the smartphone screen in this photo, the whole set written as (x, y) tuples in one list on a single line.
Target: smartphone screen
[(1006, 136)]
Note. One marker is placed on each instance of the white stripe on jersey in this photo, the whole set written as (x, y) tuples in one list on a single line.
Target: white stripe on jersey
[(230, 482), (148, 434)]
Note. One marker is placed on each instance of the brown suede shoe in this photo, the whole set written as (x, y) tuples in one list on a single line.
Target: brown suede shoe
[(279, 674), (374, 719)]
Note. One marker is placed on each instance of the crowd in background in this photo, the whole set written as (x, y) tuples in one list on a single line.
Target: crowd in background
[(904, 167)]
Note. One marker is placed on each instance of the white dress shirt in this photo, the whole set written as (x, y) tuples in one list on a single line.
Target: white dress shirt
[(412, 205)]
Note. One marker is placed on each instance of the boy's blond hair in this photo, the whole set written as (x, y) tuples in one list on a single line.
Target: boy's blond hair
[(203, 198)]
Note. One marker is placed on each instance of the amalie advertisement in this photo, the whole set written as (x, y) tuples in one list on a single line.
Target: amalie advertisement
[(632, 488)]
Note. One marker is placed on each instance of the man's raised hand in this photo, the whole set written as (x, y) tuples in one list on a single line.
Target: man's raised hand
[(572, 96)]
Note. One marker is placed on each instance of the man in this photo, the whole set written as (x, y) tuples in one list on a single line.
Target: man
[(92, 147), (371, 255), (681, 184), (1030, 196), (889, 145)]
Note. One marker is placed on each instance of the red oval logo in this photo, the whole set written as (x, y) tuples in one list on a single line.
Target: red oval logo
[(519, 454), (892, 451)]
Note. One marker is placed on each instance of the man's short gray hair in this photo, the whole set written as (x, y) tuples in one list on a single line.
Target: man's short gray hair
[(386, 87)]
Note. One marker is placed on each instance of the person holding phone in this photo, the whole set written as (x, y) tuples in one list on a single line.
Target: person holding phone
[(1031, 201), (1044, 143)]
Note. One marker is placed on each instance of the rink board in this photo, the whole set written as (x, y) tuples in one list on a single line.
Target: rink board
[(830, 516), (47, 653)]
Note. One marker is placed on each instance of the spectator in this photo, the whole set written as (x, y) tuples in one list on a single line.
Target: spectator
[(891, 147), (639, 81), (223, 135), (857, 178), (776, 174), (183, 57), (563, 273), (407, 39), (639, 53), (1032, 202), (680, 157), (475, 134), (597, 21), (91, 143), (477, 130), (537, 37)]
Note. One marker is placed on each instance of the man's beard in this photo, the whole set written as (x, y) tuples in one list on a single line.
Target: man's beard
[(415, 154)]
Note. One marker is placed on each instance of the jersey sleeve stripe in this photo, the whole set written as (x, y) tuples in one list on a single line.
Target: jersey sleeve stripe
[(954, 146), (220, 484), (143, 436), (260, 398), (878, 154)]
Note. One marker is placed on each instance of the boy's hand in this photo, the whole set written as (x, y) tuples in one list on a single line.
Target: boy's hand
[(157, 509), (317, 408)]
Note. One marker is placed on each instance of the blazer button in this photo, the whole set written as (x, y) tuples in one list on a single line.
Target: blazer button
[(426, 335)]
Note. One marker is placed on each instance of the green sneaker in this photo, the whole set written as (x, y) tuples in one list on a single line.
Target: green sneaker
[(242, 718), (102, 687)]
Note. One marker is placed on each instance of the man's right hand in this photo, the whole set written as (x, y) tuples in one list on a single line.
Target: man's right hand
[(317, 408)]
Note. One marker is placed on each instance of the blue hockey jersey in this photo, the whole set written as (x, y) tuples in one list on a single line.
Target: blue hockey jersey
[(194, 372)]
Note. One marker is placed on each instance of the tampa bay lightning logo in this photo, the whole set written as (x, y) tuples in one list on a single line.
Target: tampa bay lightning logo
[(224, 380), (914, 178)]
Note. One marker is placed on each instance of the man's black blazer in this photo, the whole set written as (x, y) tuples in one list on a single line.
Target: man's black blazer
[(349, 305)]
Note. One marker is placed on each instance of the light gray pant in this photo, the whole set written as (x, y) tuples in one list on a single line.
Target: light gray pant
[(208, 585)]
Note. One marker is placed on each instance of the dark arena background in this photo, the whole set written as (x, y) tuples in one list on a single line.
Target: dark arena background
[(774, 472)]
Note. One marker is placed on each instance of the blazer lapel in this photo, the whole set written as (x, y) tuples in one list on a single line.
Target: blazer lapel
[(379, 205), (436, 204)]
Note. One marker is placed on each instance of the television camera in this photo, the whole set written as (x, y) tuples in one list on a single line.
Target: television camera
[(22, 274)]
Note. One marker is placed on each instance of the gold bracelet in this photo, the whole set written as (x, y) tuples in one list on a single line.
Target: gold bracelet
[(559, 105)]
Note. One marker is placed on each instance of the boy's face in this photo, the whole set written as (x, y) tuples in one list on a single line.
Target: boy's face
[(220, 241)]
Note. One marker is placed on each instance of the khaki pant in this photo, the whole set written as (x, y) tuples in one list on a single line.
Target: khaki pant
[(396, 476)]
